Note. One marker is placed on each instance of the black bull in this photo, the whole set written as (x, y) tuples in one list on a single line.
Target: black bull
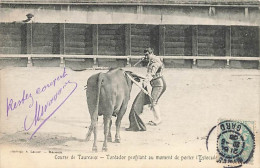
[(108, 94)]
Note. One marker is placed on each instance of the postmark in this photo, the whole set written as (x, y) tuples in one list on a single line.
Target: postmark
[(235, 142)]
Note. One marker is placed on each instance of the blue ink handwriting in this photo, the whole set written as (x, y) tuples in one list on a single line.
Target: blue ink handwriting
[(12, 105), (42, 111), (52, 83)]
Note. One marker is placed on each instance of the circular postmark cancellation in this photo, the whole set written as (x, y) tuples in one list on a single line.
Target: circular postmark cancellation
[(235, 141)]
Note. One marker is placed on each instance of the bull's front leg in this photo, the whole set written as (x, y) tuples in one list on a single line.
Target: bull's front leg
[(109, 137), (90, 130), (94, 148), (107, 120), (118, 123)]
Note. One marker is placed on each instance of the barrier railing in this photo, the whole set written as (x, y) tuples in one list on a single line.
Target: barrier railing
[(127, 58), (232, 3)]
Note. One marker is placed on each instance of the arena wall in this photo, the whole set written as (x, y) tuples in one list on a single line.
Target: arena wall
[(206, 30)]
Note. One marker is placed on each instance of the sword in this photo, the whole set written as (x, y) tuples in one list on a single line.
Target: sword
[(138, 62)]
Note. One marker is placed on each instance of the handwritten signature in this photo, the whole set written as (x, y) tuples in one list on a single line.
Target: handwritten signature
[(40, 110), (11, 105)]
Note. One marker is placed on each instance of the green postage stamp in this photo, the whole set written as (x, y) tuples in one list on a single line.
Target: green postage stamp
[(235, 141)]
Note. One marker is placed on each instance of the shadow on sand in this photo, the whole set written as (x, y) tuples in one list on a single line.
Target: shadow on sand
[(39, 140)]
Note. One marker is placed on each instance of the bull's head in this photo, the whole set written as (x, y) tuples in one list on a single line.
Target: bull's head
[(134, 76)]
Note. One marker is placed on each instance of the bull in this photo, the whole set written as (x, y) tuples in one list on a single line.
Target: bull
[(108, 95)]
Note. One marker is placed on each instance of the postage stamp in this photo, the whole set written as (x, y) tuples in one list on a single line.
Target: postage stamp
[(235, 141)]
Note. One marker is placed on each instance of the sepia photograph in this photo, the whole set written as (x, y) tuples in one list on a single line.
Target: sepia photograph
[(129, 83)]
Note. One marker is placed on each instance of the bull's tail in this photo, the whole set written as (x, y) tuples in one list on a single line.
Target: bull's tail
[(94, 116)]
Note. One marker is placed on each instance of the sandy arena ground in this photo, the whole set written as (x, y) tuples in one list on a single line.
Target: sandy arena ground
[(194, 101)]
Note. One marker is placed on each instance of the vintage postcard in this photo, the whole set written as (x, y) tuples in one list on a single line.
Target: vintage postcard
[(129, 84)]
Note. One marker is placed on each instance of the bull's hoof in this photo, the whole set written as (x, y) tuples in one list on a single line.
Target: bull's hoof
[(109, 139), (117, 140), (131, 129), (87, 138), (104, 149), (94, 149)]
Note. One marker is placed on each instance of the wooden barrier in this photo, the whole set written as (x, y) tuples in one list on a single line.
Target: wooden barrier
[(229, 3), (127, 58)]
